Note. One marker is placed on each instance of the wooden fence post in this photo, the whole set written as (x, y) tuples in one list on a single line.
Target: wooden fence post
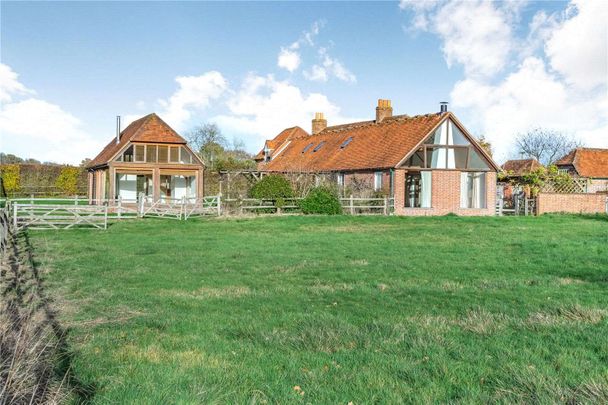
[(105, 217), (219, 205), (352, 206), (183, 209), (15, 217), (76, 199), (119, 208), (32, 199), (140, 205), (385, 205)]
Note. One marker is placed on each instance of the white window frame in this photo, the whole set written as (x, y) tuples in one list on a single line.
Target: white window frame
[(478, 188), (378, 181), (340, 179)]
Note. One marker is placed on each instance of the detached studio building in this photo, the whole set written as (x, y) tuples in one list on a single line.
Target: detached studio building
[(429, 164), (148, 157)]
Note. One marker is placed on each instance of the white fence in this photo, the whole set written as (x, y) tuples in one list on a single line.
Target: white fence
[(46, 216), (69, 213)]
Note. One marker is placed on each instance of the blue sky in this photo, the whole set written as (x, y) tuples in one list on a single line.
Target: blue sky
[(254, 68)]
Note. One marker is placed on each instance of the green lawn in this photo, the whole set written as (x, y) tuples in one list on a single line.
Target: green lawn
[(329, 310)]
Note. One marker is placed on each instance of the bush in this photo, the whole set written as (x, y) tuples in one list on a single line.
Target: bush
[(273, 187), (321, 200), (67, 181), (11, 178)]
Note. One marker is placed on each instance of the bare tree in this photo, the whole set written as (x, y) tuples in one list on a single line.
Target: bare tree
[(546, 145), (208, 141)]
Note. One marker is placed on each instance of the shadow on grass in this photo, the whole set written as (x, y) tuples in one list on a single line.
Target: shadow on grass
[(84, 391), (30, 316)]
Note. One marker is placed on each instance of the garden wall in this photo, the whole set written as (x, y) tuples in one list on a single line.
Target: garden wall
[(571, 203)]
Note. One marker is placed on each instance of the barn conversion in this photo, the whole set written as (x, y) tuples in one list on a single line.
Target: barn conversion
[(148, 157), (429, 164)]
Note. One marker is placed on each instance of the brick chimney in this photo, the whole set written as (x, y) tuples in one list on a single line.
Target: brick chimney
[(319, 123), (384, 110)]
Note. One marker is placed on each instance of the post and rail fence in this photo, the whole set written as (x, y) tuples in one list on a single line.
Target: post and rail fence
[(78, 212)]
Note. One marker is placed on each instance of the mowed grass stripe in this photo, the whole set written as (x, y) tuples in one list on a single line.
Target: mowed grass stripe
[(361, 309)]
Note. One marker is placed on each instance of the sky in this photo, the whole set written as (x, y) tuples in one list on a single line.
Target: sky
[(67, 69)]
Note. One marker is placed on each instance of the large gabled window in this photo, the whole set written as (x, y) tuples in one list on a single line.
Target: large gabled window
[(447, 148)]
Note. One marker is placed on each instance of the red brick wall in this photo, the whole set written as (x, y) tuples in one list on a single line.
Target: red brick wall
[(571, 203), (445, 195)]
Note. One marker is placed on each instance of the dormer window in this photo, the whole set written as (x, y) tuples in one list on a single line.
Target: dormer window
[(266, 154)]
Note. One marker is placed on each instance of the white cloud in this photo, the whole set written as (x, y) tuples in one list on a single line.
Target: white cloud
[(34, 128), (329, 67), (264, 106), (529, 97), (577, 48), (193, 94), (556, 73), (316, 74), (336, 68), (476, 34), (10, 85), (288, 59)]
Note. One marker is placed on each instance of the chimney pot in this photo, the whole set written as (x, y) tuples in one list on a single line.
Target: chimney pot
[(319, 123), (384, 110), (443, 106)]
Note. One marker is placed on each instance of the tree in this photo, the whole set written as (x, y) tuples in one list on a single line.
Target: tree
[(546, 145), (8, 158), (485, 145), (217, 152), (209, 141)]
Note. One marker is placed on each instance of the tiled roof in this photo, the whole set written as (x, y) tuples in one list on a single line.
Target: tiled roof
[(519, 167), (373, 145), (151, 129), (284, 136), (588, 162)]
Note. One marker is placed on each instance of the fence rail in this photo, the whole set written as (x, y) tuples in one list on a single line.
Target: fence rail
[(44, 216)]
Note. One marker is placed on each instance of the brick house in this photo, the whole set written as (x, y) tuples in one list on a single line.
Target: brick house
[(147, 157), (587, 163), (429, 164)]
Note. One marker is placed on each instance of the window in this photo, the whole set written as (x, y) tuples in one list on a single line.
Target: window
[(174, 154), (140, 153), (184, 155), (163, 151), (346, 142), (340, 179), (151, 153), (377, 181), (418, 189), (473, 190), (319, 146), (307, 147), (127, 156), (447, 148)]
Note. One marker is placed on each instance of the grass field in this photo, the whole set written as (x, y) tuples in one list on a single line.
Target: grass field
[(335, 309)]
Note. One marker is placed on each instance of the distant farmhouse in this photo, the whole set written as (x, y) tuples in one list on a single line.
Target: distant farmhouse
[(429, 164), (587, 163), (147, 158)]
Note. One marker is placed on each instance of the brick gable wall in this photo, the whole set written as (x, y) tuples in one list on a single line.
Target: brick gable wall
[(445, 195)]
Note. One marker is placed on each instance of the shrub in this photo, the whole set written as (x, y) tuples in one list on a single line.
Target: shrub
[(273, 187), (67, 181), (321, 200), (10, 178)]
